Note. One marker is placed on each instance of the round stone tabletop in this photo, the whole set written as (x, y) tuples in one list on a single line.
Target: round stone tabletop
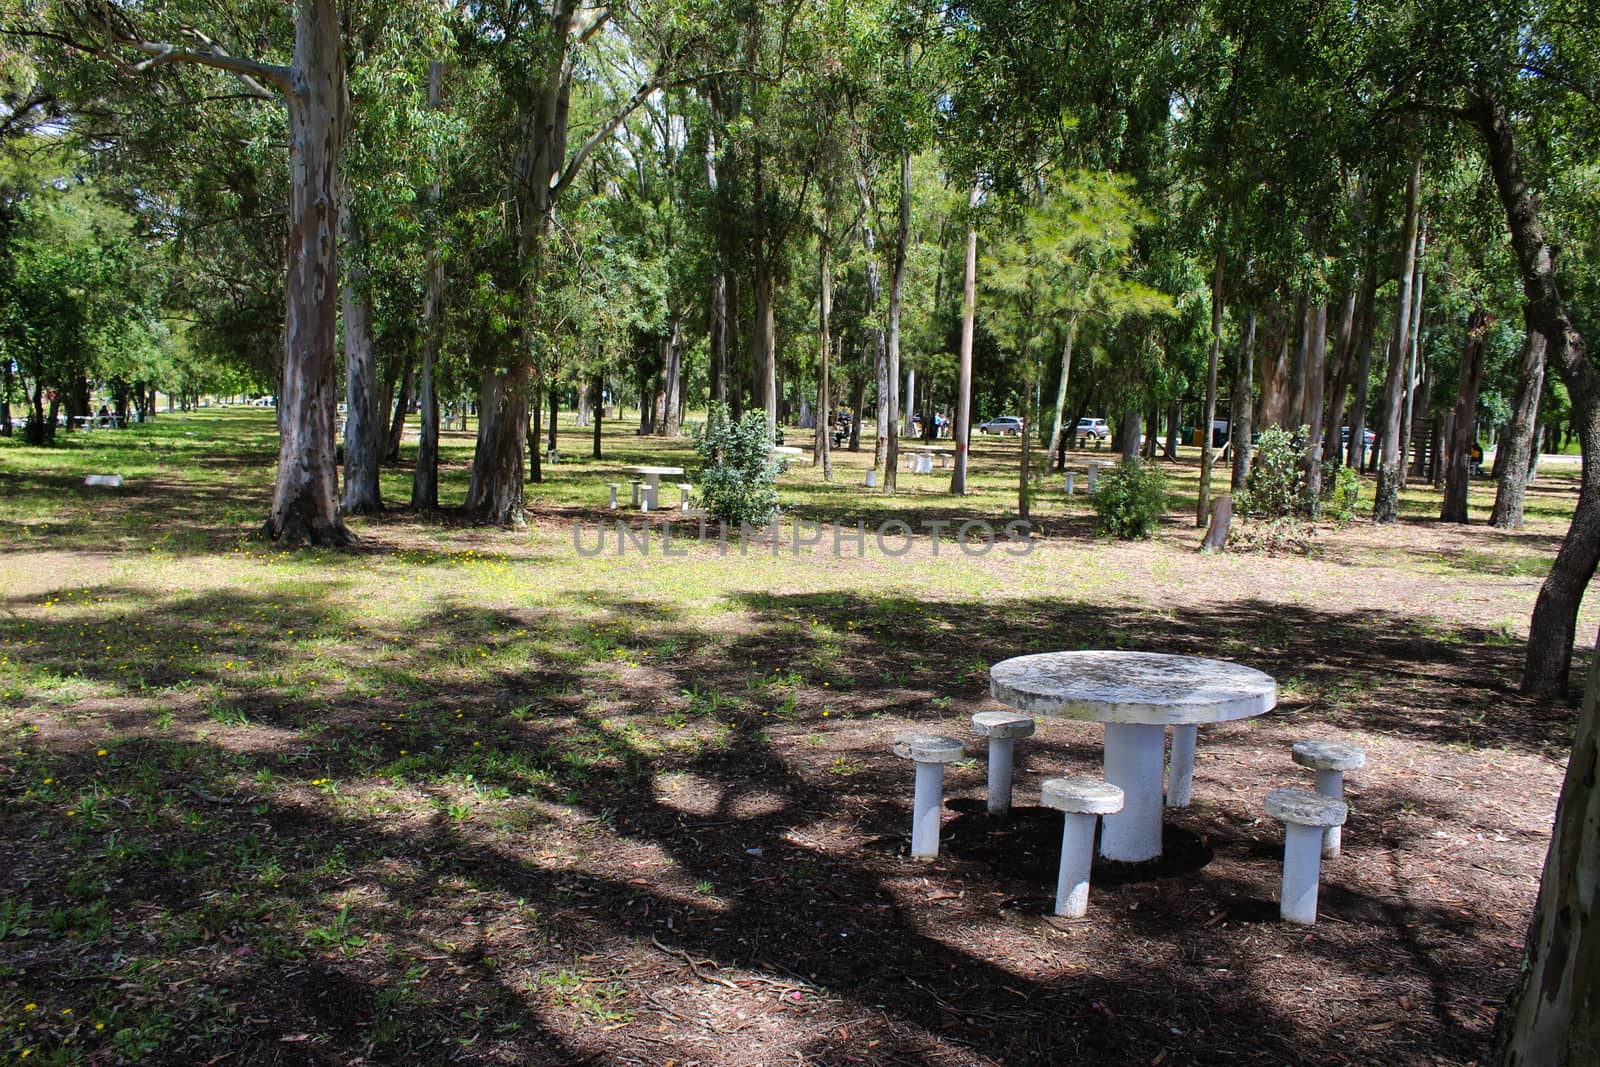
[(1132, 687)]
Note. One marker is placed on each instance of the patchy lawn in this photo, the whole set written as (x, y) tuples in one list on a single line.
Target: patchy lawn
[(466, 795)]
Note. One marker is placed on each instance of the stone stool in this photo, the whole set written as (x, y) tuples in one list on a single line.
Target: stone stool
[(684, 489), (613, 486), (1330, 759), (1305, 815), (931, 753), (1070, 483), (1180, 772), (1083, 801), (636, 483), (1002, 728)]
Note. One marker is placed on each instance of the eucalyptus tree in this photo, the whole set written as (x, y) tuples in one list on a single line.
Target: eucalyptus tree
[(309, 81), (539, 55)]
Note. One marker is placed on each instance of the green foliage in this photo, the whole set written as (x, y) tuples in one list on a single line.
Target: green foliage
[(736, 483), (1276, 488), (1341, 492), (1130, 500)]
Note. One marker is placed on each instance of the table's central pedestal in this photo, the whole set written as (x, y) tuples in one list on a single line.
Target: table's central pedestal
[(1135, 760)]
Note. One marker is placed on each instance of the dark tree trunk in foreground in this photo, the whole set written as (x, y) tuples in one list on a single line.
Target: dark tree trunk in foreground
[(1516, 444), (822, 448), (1553, 1013), (1458, 475), (1555, 614), (599, 415), (1386, 501), (495, 495)]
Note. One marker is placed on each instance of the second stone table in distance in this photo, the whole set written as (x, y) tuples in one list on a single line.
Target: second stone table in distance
[(1137, 695)]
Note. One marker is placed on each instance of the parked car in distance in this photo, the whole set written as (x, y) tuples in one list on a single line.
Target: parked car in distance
[(1367, 436), (1095, 428), (1007, 424)]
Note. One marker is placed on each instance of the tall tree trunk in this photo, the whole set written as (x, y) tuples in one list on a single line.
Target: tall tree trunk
[(765, 352), (1240, 430), (822, 447), (1414, 372), (402, 404), (1316, 357), (1295, 416), (858, 399), (969, 311), (554, 391), (1552, 1015), (1458, 476), (496, 494), (672, 381), (305, 498), (363, 424), (1516, 444), (1275, 378), (425, 477), (599, 389), (1343, 350), (1555, 614), (535, 431), (1208, 452), (1061, 392), (1386, 501), (718, 324), (897, 290), (1357, 446)]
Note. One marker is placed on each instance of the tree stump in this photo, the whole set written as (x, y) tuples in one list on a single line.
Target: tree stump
[(1216, 539)]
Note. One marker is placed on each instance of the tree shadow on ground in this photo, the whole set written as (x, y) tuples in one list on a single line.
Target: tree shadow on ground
[(476, 837)]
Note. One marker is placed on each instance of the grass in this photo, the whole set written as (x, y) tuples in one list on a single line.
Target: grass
[(222, 762)]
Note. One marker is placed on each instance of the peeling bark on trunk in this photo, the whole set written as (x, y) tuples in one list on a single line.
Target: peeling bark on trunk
[(305, 499), (363, 424), (1386, 500), (1516, 444), (496, 494), (897, 289), (1413, 374), (1275, 378), (1553, 1013), (1458, 475), (1555, 614)]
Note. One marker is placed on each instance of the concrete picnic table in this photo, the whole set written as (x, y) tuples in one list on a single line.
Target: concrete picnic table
[(652, 479), (1137, 695)]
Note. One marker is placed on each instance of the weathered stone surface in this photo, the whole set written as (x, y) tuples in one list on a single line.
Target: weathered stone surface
[(1328, 755), (1085, 796), (929, 748), (1002, 724), (1305, 808), (1132, 687)]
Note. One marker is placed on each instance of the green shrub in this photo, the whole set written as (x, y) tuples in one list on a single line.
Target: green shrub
[(1129, 500), (740, 467), (1341, 491), (1276, 487)]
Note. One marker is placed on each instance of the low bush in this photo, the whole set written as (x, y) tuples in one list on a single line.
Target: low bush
[(740, 467), (1130, 499)]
